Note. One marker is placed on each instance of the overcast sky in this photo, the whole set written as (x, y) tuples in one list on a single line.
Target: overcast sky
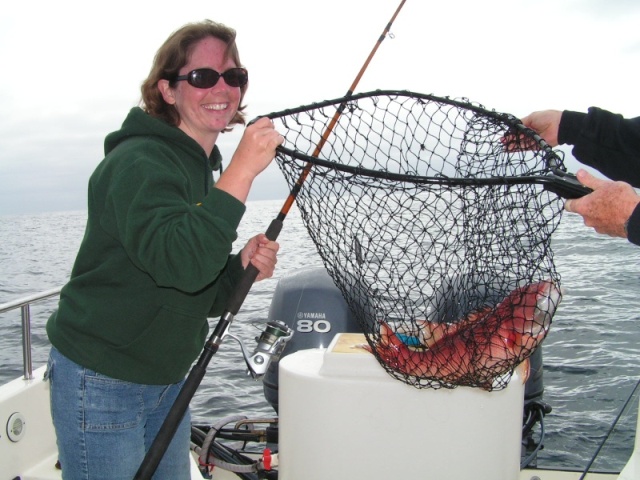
[(72, 70)]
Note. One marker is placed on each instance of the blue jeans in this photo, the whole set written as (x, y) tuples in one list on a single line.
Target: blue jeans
[(104, 426)]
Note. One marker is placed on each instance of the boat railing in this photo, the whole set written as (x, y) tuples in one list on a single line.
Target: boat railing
[(25, 305)]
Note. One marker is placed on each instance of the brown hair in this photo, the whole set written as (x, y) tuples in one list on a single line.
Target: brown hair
[(173, 55)]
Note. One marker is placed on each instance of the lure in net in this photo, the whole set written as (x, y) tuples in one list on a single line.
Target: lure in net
[(434, 218)]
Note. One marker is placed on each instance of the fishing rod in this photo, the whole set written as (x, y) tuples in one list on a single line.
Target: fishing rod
[(168, 429)]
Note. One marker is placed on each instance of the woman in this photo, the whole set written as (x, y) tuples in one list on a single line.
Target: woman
[(156, 259)]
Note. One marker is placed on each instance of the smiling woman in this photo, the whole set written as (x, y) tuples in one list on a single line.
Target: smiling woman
[(155, 259), (201, 111)]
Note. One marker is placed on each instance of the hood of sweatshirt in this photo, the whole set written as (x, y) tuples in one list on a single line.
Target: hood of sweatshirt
[(140, 123)]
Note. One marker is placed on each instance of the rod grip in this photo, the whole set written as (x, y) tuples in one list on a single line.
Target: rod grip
[(168, 429)]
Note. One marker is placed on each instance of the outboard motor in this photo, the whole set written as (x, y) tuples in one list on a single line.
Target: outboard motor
[(309, 303), (534, 412)]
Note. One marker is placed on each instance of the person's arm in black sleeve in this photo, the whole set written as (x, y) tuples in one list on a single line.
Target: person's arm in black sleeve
[(605, 141)]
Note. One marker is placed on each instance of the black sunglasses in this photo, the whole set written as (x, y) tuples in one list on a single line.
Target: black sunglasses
[(207, 77)]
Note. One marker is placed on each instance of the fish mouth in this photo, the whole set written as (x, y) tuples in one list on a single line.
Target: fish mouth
[(549, 298)]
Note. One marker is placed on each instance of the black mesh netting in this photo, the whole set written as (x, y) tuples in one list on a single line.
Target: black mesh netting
[(430, 216)]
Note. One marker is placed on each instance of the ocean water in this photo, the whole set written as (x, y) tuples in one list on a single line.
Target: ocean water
[(591, 356)]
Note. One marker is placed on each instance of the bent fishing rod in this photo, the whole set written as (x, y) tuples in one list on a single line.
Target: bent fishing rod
[(168, 429)]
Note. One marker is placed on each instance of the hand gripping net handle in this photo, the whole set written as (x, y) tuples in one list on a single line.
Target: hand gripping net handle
[(427, 211)]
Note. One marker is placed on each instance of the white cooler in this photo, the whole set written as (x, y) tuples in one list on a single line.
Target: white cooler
[(342, 417)]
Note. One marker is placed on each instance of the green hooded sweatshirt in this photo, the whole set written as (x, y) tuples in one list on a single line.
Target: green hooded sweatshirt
[(155, 260)]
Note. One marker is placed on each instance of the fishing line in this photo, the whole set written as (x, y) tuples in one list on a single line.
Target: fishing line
[(165, 435), (606, 437)]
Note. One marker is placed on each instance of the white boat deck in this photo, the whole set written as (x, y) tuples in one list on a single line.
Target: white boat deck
[(34, 455)]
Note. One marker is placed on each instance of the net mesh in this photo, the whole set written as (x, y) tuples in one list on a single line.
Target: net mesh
[(424, 214)]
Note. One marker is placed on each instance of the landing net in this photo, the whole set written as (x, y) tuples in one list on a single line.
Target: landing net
[(431, 217)]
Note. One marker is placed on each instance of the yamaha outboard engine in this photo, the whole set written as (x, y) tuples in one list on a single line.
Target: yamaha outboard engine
[(309, 303), (535, 410)]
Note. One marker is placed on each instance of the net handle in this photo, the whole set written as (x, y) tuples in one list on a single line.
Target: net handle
[(563, 184)]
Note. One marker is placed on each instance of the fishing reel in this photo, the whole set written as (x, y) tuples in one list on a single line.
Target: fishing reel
[(271, 343)]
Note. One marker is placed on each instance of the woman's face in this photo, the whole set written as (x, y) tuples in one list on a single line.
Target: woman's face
[(204, 112)]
